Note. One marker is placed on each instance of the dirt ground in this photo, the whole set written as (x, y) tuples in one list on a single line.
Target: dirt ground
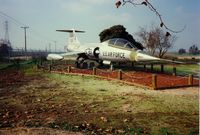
[(42, 103), (183, 91), (35, 131)]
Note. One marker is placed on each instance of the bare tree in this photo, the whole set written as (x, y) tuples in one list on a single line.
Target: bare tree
[(148, 39), (166, 42), (155, 40), (151, 8)]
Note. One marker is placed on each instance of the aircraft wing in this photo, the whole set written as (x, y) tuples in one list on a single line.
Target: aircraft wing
[(160, 61), (71, 53), (171, 61)]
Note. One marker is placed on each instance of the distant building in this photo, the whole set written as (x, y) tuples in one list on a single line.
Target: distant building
[(5, 48)]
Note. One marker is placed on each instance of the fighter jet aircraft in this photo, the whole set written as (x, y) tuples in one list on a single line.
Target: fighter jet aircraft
[(112, 50)]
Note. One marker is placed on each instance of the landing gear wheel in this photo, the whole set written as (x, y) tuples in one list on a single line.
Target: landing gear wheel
[(100, 63), (79, 62)]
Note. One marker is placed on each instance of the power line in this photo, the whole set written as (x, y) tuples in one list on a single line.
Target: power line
[(41, 36), (13, 19), (18, 23)]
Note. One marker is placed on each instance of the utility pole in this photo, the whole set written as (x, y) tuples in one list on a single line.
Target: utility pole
[(6, 39), (55, 45), (25, 35), (49, 47)]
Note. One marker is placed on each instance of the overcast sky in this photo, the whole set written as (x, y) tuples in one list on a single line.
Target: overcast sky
[(45, 16)]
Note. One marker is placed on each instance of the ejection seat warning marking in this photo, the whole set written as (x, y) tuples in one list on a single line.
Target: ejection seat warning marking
[(114, 54)]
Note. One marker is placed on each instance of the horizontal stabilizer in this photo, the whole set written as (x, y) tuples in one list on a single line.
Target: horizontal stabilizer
[(79, 31)]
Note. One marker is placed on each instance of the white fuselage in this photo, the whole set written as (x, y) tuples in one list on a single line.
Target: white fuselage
[(105, 51), (116, 49)]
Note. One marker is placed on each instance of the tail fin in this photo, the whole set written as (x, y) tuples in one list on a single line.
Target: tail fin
[(73, 40)]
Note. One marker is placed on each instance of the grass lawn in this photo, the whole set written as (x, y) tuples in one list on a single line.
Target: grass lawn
[(181, 69), (91, 105), (4, 65)]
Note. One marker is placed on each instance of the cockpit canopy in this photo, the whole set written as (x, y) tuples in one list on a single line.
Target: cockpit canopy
[(121, 43)]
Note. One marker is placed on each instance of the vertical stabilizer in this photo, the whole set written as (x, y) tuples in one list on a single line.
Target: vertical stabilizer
[(73, 42)]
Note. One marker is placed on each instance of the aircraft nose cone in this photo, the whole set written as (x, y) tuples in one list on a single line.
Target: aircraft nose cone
[(141, 56)]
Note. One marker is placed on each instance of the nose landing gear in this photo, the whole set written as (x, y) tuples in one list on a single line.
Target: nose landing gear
[(85, 63), (79, 62)]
